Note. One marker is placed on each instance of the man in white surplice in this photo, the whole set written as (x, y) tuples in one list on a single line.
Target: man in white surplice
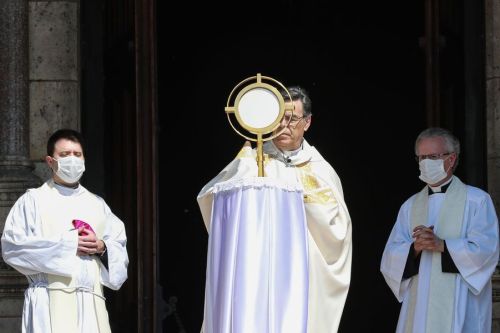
[(66, 263), (291, 159), (443, 249)]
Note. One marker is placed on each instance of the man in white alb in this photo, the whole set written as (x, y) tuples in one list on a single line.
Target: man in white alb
[(443, 249), (69, 245), (289, 158)]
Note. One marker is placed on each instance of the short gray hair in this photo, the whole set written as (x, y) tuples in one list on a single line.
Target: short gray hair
[(452, 142)]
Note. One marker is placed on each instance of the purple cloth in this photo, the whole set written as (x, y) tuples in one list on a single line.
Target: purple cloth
[(79, 223)]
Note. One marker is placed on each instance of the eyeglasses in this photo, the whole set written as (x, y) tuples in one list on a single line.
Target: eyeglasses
[(419, 158), (293, 121)]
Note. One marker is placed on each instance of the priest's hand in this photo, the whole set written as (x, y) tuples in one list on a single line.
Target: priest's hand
[(88, 243), (425, 239)]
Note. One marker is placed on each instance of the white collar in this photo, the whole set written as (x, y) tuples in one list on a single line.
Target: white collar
[(438, 188), (67, 191), (290, 158)]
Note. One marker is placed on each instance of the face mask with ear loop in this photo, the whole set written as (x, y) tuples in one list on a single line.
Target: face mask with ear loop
[(70, 168), (432, 171)]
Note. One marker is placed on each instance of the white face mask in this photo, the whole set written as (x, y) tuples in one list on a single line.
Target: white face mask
[(70, 168), (432, 171)]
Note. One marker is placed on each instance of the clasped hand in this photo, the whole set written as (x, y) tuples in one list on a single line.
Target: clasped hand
[(425, 239), (88, 243)]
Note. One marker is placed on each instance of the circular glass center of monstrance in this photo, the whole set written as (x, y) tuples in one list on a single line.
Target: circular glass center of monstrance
[(259, 108)]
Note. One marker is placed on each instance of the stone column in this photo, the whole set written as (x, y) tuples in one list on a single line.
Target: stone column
[(15, 165), (54, 81), (492, 25)]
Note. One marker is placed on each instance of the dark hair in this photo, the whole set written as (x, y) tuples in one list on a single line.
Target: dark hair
[(64, 133), (300, 94)]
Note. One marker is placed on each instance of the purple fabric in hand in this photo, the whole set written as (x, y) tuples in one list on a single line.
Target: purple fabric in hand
[(79, 223)]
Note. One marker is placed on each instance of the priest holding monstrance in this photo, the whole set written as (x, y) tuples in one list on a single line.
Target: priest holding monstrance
[(279, 252)]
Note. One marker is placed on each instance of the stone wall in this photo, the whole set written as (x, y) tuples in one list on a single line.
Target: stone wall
[(492, 25), (39, 94), (54, 74)]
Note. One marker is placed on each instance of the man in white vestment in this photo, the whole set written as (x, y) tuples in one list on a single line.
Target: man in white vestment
[(69, 245), (443, 249), (290, 158)]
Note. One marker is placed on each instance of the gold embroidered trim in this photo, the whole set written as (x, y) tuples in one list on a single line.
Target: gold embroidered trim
[(322, 197), (313, 192)]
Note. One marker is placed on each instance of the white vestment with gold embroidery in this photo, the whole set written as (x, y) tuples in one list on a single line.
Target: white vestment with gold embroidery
[(328, 224)]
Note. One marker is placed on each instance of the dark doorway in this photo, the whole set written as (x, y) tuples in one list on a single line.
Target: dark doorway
[(118, 62), (364, 66), (364, 69)]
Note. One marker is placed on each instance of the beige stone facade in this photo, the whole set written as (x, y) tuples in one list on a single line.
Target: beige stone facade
[(54, 99), (54, 73), (492, 24)]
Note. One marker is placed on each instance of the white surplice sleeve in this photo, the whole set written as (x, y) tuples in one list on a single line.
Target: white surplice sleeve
[(330, 246), (116, 240), (328, 218), (25, 249), (396, 253), (476, 254)]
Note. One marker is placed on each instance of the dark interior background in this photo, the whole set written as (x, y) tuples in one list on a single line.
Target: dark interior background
[(364, 66), (364, 70)]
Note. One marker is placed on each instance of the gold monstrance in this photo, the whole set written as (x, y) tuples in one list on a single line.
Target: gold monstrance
[(259, 107)]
